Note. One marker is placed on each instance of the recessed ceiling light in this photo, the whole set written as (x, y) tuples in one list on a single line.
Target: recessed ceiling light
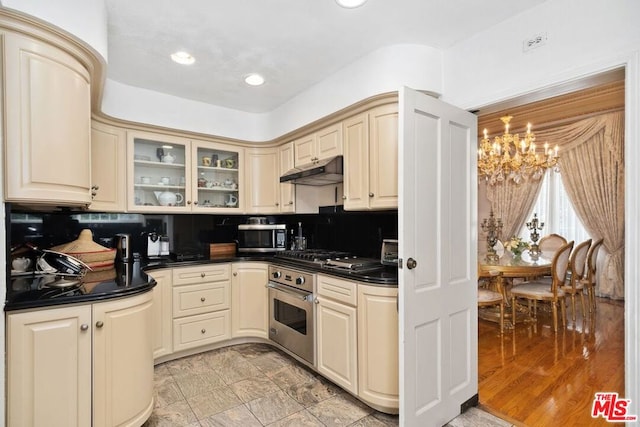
[(183, 58), (254, 79), (351, 4)]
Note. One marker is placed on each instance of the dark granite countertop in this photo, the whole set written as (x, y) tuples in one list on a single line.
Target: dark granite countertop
[(125, 279), (35, 290)]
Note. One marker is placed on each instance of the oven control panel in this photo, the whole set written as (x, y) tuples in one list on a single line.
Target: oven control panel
[(292, 277)]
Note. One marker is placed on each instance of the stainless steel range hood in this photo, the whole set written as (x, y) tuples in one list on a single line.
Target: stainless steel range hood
[(324, 172)]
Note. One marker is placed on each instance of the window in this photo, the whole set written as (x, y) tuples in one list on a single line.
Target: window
[(556, 211)]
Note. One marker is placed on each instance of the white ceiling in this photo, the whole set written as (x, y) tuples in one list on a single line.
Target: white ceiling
[(293, 43)]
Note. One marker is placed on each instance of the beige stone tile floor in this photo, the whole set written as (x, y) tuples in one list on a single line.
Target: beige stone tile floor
[(258, 385)]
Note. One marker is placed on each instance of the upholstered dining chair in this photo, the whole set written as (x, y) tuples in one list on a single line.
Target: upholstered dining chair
[(489, 298), (550, 243), (545, 290), (575, 284), (589, 280)]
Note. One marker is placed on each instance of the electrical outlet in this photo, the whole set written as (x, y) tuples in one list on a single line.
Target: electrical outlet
[(534, 42)]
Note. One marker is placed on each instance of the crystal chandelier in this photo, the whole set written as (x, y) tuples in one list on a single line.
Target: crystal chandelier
[(512, 157)]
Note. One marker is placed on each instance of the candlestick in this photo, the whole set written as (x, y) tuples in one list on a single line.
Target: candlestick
[(534, 225), (492, 227)]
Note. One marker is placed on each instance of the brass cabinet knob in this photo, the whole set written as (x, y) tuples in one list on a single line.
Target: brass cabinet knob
[(203, 331), (84, 327), (202, 274), (370, 194), (235, 273), (195, 202), (99, 324), (277, 204), (344, 197), (290, 202), (203, 299)]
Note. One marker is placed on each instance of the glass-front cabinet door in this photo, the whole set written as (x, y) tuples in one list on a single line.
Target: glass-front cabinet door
[(159, 173), (217, 179)]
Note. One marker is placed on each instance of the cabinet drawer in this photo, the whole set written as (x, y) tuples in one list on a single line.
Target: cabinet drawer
[(201, 274), (195, 331), (337, 289), (202, 298)]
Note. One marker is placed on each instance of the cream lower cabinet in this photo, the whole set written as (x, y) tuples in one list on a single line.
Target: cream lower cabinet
[(201, 305), (378, 346), (249, 300), (336, 331), (122, 362), (162, 327), (51, 361), (371, 159)]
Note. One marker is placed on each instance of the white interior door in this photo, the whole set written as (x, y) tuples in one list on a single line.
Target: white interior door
[(437, 222)]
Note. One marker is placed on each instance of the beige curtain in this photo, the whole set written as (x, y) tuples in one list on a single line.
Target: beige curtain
[(592, 168), (512, 202)]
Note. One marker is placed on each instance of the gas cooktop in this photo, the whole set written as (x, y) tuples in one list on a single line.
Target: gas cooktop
[(334, 260)]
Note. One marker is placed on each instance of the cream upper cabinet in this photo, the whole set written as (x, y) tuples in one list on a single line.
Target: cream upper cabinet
[(287, 190), (49, 367), (162, 313), (322, 144), (122, 361), (371, 159), (216, 178), (378, 346), (173, 174), (263, 193), (336, 331), (62, 362), (47, 113), (249, 300), (108, 168), (157, 173)]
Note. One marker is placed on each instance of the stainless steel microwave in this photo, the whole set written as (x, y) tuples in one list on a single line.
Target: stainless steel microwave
[(262, 237)]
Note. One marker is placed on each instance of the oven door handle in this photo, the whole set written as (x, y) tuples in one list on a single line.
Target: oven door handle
[(300, 295)]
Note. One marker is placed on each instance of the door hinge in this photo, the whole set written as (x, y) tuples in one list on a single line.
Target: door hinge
[(400, 263)]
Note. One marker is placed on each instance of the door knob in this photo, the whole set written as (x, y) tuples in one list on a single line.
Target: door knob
[(412, 263)]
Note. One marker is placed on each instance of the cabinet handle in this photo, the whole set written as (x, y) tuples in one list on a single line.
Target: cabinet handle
[(235, 273), (290, 202), (195, 202), (203, 331), (99, 324), (370, 194), (316, 300), (84, 327), (203, 299), (202, 275), (344, 197), (277, 204)]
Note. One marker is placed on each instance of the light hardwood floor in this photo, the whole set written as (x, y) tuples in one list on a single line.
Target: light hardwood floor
[(534, 377)]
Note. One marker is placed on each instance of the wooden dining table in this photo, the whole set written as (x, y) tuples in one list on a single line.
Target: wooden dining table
[(500, 275)]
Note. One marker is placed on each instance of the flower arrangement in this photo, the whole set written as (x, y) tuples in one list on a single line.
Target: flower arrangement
[(516, 245)]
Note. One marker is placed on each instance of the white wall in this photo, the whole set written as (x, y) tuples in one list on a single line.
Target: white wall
[(86, 19), (581, 35), (383, 70)]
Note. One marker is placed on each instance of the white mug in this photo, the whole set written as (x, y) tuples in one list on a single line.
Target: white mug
[(231, 200), (20, 264), (165, 180)]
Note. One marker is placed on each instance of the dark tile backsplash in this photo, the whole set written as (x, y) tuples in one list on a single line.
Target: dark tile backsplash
[(358, 232)]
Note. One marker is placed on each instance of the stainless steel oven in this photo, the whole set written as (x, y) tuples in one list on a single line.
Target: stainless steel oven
[(291, 310)]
